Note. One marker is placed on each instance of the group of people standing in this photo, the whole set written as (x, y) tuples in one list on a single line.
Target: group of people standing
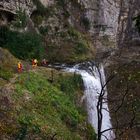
[(44, 62)]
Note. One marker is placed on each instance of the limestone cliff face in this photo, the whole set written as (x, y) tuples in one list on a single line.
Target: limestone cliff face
[(104, 21), (96, 18), (106, 17), (109, 16), (126, 25), (103, 16), (14, 5), (47, 2)]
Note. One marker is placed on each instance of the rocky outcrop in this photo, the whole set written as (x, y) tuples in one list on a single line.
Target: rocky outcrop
[(13, 6), (109, 17), (47, 2), (105, 22), (127, 30), (103, 16), (106, 17)]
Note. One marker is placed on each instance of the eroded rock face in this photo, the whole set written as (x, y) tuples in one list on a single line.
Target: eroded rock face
[(47, 2), (13, 6), (109, 17), (103, 16), (104, 21), (127, 30)]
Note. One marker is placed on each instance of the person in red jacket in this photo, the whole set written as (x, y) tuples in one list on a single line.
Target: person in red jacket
[(44, 62)]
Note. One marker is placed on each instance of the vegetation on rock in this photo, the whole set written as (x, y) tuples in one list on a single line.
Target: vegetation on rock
[(22, 45), (46, 108), (20, 20)]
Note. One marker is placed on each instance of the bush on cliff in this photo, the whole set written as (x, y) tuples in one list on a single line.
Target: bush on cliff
[(22, 45)]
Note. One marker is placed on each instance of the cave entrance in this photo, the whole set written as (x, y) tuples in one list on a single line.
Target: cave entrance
[(6, 17)]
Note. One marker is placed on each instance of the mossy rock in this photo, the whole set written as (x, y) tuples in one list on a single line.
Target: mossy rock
[(7, 60), (8, 64)]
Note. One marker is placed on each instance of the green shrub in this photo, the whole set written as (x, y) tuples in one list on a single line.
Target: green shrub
[(81, 48), (3, 35), (70, 120), (91, 133), (61, 3), (25, 120), (43, 30), (22, 133), (66, 14), (6, 75), (78, 38), (70, 84), (20, 20), (23, 45), (38, 19), (73, 33)]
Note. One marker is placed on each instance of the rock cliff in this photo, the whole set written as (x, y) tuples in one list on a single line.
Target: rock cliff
[(103, 24), (127, 31), (13, 6), (72, 31)]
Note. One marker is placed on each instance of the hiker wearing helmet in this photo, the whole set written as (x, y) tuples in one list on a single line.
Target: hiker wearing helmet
[(34, 63), (19, 67)]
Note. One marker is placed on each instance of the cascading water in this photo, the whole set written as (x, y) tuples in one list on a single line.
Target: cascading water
[(94, 80)]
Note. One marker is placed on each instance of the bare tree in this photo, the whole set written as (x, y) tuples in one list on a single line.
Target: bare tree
[(119, 128)]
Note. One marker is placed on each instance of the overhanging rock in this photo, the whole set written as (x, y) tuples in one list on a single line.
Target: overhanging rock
[(13, 6)]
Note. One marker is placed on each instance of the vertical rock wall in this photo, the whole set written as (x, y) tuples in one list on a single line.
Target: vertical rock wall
[(47, 2), (14, 5), (103, 16), (109, 17), (126, 29)]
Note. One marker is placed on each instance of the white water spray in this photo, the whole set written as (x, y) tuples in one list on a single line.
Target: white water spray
[(94, 80)]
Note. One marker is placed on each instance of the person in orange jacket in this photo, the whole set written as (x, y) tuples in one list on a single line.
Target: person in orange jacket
[(34, 63), (19, 67)]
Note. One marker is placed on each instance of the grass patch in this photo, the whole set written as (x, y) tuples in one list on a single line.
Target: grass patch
[(46, 109), (6, 75), (37, 19), (7, 65)]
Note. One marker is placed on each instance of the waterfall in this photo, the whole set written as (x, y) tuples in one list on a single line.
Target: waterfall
[(94, 80)]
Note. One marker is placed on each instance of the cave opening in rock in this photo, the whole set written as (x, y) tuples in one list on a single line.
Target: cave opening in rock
[(6, 17)]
